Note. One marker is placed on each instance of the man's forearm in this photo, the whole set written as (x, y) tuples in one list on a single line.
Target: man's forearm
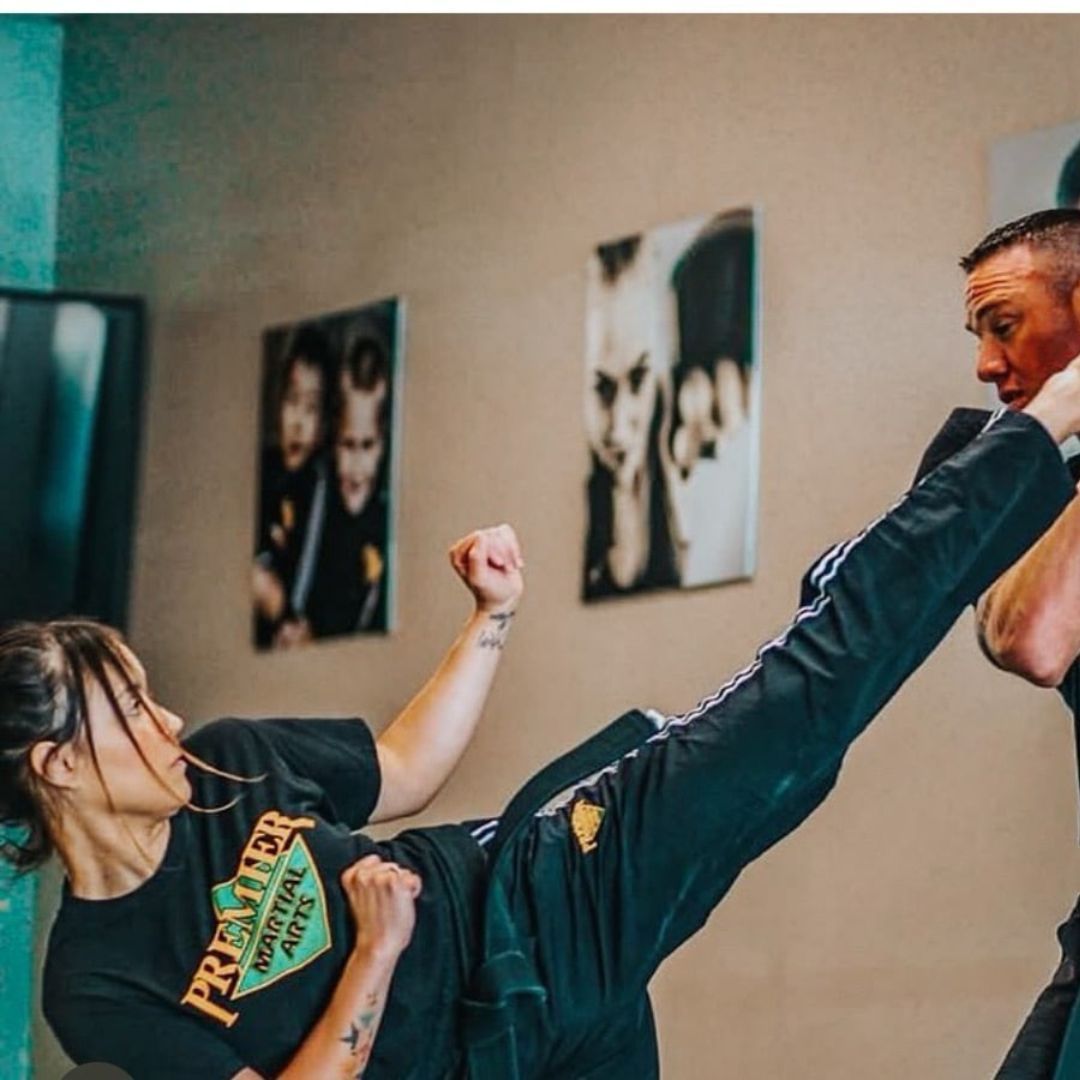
[(425, 742), (1029, 621), (340, 1044)]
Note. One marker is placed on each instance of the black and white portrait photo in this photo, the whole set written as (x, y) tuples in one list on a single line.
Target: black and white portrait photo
[(672, 406)]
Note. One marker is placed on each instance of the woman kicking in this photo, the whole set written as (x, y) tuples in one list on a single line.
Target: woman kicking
[(223, 917)]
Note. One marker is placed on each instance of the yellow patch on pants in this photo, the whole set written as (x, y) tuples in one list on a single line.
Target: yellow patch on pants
[(585, 820)]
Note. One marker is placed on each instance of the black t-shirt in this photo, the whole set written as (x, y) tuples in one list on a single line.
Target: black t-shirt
[(230, 952), (959, 429)]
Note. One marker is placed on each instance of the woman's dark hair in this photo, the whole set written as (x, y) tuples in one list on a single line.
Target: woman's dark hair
[(46, 669)]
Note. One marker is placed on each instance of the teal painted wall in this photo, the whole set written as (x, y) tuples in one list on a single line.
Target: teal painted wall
[(30, 66), (30, 58)]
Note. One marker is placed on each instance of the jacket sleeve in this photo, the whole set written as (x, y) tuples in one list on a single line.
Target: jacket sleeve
[(958, 430)]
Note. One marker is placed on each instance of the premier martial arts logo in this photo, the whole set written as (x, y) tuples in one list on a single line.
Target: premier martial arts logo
[(272, 919)]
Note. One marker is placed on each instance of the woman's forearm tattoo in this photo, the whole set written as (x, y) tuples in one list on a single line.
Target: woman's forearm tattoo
[(361, 1037), (494, 637)]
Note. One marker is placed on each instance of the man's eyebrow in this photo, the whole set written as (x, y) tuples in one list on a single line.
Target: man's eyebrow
[(981, 315)]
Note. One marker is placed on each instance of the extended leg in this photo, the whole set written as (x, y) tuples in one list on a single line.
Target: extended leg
[(631, 865)]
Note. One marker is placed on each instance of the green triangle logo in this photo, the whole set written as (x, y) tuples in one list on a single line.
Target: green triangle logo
[(286, 931)]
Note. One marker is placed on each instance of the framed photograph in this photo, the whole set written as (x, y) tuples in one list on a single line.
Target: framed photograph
[(324, 539), (672, 406), (1034, 171)]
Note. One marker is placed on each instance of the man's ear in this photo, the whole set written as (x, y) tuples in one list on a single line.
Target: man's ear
[(54, 763), (1074, 301)]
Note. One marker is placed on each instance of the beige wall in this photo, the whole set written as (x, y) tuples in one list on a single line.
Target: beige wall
[(241, 172)]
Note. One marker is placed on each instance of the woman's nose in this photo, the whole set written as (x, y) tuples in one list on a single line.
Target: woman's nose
[(176, 724)]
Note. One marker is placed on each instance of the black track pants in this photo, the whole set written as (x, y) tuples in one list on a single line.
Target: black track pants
[(597, 888)]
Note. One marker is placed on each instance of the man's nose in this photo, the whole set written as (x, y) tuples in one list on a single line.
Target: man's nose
[(991, 362)]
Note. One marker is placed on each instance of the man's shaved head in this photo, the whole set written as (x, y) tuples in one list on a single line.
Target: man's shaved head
[(1055, 233)]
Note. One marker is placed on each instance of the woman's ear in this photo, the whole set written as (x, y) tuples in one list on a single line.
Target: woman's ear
[(54, 763)]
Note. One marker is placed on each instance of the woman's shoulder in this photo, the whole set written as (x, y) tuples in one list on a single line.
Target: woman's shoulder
[(214, 734), (87, 941), (238, 757)]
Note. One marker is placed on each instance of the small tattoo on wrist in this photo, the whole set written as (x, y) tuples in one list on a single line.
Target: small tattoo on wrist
[(366, 1021), (495, 637), (352, 1040)]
